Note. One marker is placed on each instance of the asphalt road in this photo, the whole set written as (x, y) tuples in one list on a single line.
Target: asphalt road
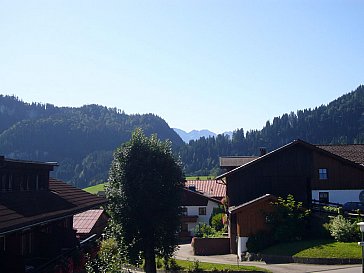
[(185, 253)]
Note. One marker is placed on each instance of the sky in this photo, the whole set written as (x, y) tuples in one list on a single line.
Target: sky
[(217, 65)]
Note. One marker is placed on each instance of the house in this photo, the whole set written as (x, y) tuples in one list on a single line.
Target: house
[(196, 208), (36, 214), (324, 172), (211, 188), (90, 222)]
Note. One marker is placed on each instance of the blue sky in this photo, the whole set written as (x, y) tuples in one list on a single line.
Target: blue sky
[(219, 65)]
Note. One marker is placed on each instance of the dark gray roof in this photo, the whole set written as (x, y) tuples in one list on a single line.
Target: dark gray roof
[(235, 161), (352, 152)]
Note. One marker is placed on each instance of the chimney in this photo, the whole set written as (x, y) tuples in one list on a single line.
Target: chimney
[(263, 151)]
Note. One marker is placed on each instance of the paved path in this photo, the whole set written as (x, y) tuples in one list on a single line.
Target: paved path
[(185, 252)]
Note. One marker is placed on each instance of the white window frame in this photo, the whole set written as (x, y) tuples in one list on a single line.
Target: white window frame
[(323, 174)]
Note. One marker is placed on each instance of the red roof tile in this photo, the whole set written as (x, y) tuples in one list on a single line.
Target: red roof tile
[(211, 188), (84, 222)]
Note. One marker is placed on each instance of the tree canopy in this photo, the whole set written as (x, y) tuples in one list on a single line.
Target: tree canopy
[(145, 183)]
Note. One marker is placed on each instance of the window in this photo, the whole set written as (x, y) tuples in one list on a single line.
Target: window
[(184, 211), (322, 174), (324, 197), (202, 211)]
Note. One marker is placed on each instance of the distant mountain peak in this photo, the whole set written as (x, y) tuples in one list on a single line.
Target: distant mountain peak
[(194, 134)]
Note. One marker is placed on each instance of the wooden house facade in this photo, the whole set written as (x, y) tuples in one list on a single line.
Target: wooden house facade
[(248, 219), (36, 214), (326, 173)]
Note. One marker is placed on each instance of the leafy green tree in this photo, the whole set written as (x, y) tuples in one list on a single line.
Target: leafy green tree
[(145, 183), (289, 221)]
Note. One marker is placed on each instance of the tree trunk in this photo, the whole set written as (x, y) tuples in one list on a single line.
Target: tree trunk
[(150, 266)]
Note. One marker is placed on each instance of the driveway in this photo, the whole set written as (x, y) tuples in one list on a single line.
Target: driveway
[(185, 252)]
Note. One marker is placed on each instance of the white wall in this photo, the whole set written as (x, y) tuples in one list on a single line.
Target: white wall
[(242, 245), (193, 210), (339, 196)]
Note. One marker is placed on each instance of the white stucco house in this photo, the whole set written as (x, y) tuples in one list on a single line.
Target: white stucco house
[(196, 208)]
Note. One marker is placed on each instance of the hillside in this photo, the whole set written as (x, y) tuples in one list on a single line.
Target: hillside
[(341, 121), (81, 140)]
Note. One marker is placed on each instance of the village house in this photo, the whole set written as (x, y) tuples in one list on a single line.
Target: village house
[(328, 173), (196, 208), (36, 214)]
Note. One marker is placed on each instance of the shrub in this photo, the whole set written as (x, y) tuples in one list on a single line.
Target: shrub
[(344, 230), (194, 267), (205, 231), (171, 265), (108, 259), (336, 210), (217, 221), (289, 221)]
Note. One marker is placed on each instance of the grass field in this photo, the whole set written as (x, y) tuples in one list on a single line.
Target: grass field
[(100, 187), (316, 249), (188, 265), (95, 189), (208, 177)]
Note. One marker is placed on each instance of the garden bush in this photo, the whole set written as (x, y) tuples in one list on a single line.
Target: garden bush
[(289, 221), (203, 230), (344, 230), (217, 221)]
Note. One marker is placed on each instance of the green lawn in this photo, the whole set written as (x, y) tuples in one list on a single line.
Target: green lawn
[(316, 249), (207, 177), (100, 187), (186, 265), (95, 189)]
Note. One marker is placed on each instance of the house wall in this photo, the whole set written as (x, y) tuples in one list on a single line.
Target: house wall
[(341, 175), (339, 196), (193, 210), (285, 172), (42, 240)]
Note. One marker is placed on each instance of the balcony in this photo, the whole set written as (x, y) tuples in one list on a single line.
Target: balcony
[(189, 218)]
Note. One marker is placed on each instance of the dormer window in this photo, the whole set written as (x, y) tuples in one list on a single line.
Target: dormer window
[(323, 174)]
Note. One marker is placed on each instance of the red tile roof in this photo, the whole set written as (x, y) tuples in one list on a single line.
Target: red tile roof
[(21, 209), (211, 188), (352, 152), (84, 222)]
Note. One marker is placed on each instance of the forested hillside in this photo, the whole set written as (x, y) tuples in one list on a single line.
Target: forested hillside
[(341, 121), (81, 140)]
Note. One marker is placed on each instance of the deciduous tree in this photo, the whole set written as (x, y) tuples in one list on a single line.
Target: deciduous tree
[(144, 189)]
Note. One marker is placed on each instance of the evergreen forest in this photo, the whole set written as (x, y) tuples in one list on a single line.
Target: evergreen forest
[(82, 139)]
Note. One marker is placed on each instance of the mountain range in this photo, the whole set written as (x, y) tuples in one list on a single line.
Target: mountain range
[(197, 134), (82, 139)]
